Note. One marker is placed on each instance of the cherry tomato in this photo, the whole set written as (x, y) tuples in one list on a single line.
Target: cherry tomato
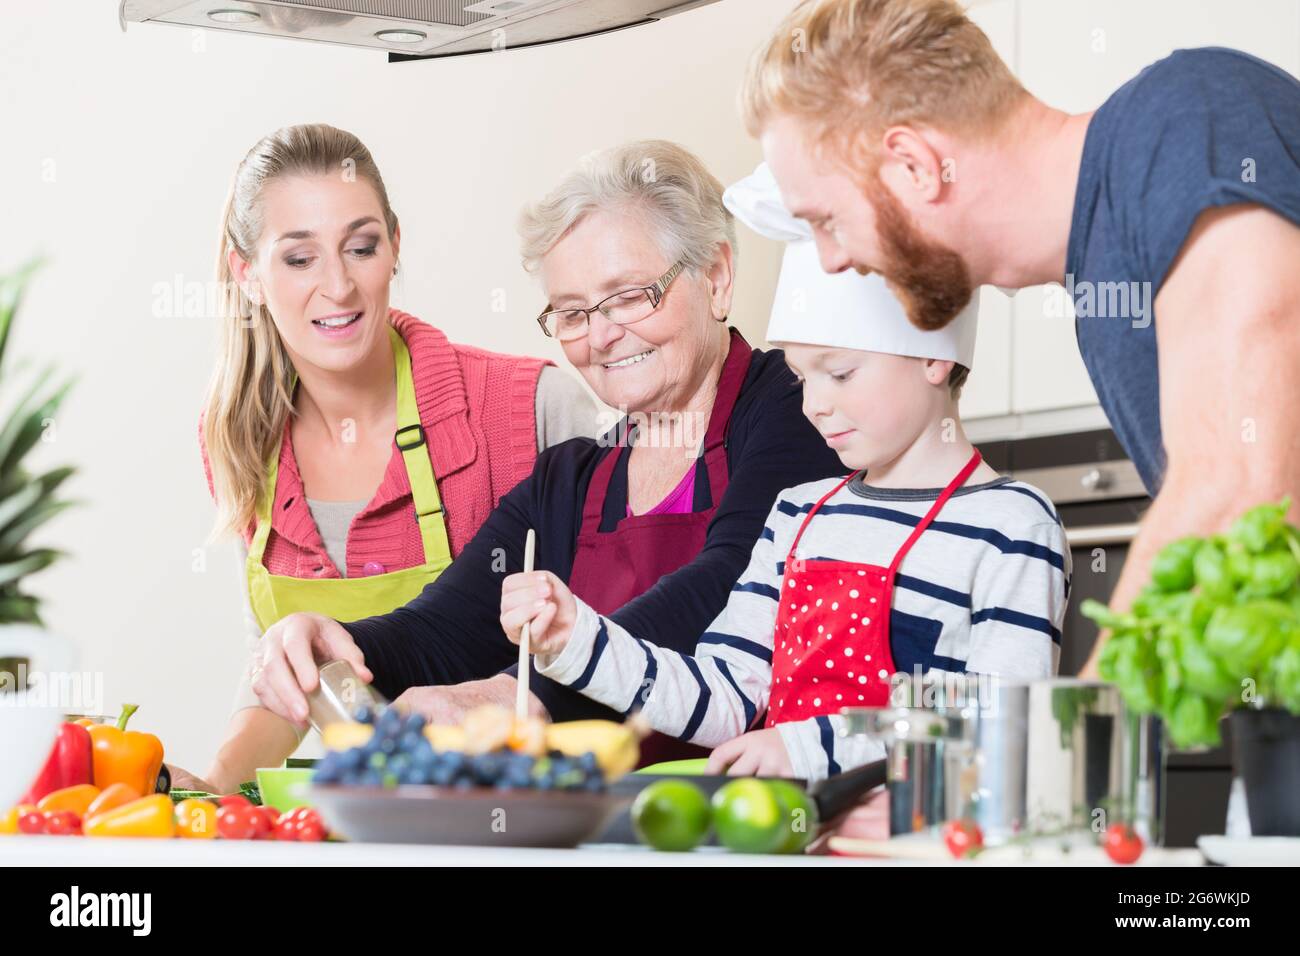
[(309, 830), (301, 813), (62, 822), (33, 821), (1122, 844), (235, 822), (264, 822), (234, 800), (284, 827), (963, 837)]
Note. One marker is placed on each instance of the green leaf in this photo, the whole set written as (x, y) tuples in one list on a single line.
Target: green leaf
[(1260, 527), (12, 287), (1171, 569), (29, 563), (14, 535), (23, 431)]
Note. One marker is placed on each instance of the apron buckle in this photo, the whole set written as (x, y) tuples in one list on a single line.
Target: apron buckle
[(420, 437)]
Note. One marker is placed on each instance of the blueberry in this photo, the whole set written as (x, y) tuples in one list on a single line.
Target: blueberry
[(487, 768), (364, 714), (399, 764), (389, 723), (353, 758), (370, 778), (414, 723), (588, 762)]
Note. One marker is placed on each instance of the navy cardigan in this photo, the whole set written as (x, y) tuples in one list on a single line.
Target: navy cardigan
[(451, 632)]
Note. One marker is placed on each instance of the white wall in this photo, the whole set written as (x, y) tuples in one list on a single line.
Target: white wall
[(118, 149)]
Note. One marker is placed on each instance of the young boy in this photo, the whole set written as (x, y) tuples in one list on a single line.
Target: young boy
[(923, 558)]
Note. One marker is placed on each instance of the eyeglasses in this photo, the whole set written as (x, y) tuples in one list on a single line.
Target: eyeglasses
[(621, 308)]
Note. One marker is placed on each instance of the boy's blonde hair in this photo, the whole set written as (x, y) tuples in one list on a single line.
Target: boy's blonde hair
[(851, 69)]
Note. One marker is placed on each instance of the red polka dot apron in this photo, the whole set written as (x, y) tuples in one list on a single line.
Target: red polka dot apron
[(831, 647)]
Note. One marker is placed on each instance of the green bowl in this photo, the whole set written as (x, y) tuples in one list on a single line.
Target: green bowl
[(678, 768), (284, 787)]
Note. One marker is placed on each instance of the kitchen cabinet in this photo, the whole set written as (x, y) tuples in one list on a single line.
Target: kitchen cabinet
[(1073, 55)]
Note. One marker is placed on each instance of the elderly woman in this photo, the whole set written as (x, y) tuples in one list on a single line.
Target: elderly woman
[(651, 524)]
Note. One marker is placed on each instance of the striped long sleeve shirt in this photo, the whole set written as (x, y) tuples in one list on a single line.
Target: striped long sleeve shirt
[(983, 590)]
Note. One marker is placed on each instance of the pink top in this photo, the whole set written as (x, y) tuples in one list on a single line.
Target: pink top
[(478, 411), (678, 501)]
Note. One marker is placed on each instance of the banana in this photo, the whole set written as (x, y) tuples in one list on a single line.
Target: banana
[(345, 735), (617, 746), (445, 737)]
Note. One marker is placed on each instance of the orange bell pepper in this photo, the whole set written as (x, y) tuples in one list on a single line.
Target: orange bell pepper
[(9, 820), (77, 799), (114, 795), (196, 819), (126, 756), (150, 816)]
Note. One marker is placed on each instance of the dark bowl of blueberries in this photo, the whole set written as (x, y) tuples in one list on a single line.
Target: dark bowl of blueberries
[(396, 788)]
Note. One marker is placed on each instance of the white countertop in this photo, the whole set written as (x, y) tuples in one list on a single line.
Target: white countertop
[(120, 851), (123, 851)]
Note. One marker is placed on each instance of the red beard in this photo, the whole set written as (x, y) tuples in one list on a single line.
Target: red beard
[(930, 279)]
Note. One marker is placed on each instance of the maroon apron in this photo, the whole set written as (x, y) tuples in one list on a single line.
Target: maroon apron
[(610, 568), (831, 648)]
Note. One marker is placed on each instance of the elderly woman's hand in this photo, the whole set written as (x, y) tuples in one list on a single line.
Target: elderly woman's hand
[(546, 601), (450, 704)]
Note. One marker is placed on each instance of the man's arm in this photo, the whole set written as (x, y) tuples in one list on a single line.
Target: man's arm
[(1228, 331)]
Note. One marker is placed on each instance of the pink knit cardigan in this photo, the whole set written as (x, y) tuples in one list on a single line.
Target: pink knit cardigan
[(478, 409)]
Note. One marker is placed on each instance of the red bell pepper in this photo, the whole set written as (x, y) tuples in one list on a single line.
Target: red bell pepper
[(70, 763)]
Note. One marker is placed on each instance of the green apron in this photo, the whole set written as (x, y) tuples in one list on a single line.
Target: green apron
[(274, 596)]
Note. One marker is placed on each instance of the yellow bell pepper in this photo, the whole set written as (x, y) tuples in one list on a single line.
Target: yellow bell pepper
[(112, 796), (196, 819), (77, 799), (147, 817), (126, 756)]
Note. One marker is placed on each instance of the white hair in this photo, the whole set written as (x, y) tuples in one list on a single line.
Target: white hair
[(680, 198)]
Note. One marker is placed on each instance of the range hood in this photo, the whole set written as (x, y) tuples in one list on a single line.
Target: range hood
[(407, 29)]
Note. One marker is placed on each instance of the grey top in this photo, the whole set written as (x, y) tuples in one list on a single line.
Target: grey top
[(564, 410)]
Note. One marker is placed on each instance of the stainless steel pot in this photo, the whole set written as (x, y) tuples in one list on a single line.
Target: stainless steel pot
[(1059, 755)]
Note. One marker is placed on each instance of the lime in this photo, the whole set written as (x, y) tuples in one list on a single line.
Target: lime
[(671, 815), (749, 817), (799, 814)]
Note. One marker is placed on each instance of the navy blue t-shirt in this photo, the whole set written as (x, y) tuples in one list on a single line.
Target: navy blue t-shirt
[(1200, 128)]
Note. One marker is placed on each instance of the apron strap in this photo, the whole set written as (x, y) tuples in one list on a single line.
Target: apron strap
[(812, 511), (734, 370), (265, 501), (930, 515), (411, 440)]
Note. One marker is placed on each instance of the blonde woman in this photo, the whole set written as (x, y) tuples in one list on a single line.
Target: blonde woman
[(352, 447)]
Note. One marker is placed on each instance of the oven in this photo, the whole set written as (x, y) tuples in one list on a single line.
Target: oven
[(1100, 500)]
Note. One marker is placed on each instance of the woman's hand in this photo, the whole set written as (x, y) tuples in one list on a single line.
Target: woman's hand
[(449, 705), (759, 753), (287, 667), (184, 780), (546, 601)]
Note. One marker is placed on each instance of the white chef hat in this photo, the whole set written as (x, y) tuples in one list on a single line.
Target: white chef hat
[(845, 310)]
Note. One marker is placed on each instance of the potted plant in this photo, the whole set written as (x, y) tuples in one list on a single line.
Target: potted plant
[(1217, 632), (27, 500)]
